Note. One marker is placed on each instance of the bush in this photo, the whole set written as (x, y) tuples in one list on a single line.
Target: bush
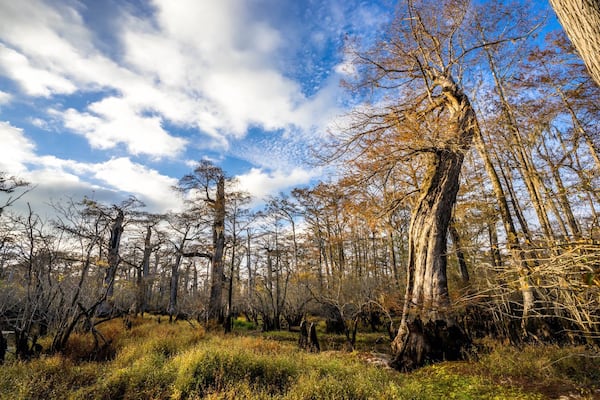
[(215, 368)]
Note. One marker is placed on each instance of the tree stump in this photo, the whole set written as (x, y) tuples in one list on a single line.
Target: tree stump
[(430, 342), (303, 339), (313, 342), (3, 347)]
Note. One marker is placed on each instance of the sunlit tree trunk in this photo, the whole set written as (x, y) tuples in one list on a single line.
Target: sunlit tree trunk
[(519, 150), (512, 239), (581, 20), (427, 330)]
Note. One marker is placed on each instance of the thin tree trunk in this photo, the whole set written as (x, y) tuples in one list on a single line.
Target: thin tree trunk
[(496, 257), (393, 257), (174, 284), (525, 164), (460, 255), (106, 307), (512, 239), (143, 290)]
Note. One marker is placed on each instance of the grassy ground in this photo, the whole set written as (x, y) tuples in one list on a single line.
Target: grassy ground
[(181, 361)]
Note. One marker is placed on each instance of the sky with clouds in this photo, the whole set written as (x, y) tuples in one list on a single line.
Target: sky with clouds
[(107, 98)]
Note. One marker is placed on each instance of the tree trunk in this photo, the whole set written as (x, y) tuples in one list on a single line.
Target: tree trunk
[(426, 296), (143, 292), (116, 230), (524, 163), (581, 20), (394, 260), (215, 305), (460, 255), (174, 287), (229, 317), (512, 239)]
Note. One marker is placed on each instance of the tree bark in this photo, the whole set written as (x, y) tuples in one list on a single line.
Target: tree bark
[(106, 307), (581, 21), (215, 305), (427, 298)]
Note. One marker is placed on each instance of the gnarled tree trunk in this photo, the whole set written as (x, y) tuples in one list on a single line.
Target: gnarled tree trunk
[(428, 332)]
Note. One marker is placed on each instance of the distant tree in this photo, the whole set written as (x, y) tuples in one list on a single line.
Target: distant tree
[(183, 231), (239, 219), (207, 185), (581, 20), (116, 215), (8, 186), (149, 223)]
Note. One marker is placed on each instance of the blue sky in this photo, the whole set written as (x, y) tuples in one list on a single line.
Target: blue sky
[(106, 98)]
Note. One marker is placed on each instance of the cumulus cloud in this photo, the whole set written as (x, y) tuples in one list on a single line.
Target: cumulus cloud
[(112, 121), (53, 177), (16, 149), (260, 183), (170, 76), (148, 184), (206, 65)]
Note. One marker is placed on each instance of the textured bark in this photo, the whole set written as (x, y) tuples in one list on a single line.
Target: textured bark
[(215, 305), (581, 21), (426, 297)]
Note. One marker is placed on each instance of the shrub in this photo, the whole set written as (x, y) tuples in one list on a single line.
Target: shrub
[(220, 368)]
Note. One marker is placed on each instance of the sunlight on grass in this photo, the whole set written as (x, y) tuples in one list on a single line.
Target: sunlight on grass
[(181, 361)]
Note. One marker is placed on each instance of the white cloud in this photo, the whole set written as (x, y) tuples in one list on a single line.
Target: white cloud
[(35, 81), (147, 184), (5, 98), (206, 65), (40, 123), (16, 149), (53, 177), (346, 67), (261, 184), (112, 121)]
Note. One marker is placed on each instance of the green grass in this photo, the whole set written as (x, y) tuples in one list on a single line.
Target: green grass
[(180, 361)]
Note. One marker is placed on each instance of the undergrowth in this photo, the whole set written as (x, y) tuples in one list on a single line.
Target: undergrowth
[(181, 361)]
